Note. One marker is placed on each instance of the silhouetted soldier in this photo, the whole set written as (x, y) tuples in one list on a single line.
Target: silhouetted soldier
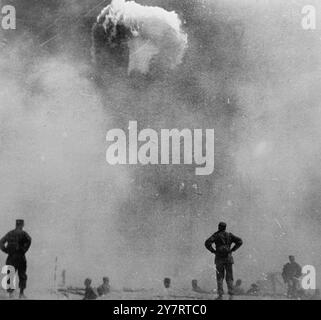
[(238, 290), (89, 291), (16, 243), (291, 274), (104, 288), (223, 257)]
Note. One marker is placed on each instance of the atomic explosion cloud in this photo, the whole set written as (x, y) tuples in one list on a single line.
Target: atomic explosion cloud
[(152, 34)]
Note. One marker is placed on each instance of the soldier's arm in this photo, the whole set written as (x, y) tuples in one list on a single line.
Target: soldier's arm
[(209, 242), (27, 242), (3, 242), (237, 242)]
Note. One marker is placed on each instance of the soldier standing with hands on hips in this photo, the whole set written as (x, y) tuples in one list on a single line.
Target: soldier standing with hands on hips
[(223, 257), (16, 243)]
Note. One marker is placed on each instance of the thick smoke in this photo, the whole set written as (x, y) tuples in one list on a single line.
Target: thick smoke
[(150, 33), (52, 165), (250, 72)]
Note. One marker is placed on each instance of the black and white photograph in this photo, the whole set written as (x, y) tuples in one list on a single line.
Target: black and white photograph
[(160, 150)]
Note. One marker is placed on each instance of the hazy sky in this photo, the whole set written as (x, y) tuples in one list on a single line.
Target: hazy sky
[(250, 72)]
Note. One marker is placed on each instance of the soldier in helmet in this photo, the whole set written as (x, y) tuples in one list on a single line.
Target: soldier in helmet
[(16, 243), (223, 257)]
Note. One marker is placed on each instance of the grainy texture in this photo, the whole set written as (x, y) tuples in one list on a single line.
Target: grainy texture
[(250, 72)]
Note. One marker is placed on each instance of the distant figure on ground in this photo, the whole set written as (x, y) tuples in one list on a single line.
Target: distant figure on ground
[(104, 288), (89, 291), (223, 257), (254, 290), (167, 283), (16, 243), (238, 290), (291, 274), (196, 288)]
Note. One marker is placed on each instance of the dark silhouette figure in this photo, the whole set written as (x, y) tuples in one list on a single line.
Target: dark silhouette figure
[(196, 288), (238, 290), (223, 257), (89, 291), (291, 274), (104, 288), (16, 243), (167, 283)]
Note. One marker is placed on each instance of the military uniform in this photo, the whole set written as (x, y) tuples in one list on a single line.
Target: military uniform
[(223, 257), (291, 273), (16, 243), (103, 289), (90, 294)]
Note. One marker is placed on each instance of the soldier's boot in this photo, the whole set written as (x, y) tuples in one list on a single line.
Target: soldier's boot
[(230, 286), (220, 290)]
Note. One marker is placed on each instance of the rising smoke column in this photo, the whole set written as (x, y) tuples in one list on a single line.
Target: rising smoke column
[(150, 34)]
